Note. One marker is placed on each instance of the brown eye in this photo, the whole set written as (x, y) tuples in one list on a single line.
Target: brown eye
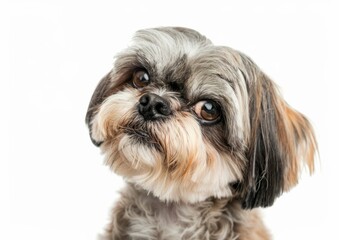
[(140, 79), (208, 111)]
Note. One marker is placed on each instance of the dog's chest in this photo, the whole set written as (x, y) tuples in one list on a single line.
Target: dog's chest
[(156, 220)]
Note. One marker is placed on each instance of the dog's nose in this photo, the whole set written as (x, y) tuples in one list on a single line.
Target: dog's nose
[(152, 106)]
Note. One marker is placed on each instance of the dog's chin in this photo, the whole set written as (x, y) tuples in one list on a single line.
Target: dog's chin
[(171, 168)]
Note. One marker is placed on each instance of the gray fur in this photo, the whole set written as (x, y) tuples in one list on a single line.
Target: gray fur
[(187, 179), (141, 216)]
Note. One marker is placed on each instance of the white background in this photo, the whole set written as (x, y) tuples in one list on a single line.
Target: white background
[(53, 53)]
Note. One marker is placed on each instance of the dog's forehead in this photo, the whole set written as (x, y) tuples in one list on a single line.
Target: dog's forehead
[(187, 57), (215, 65), (166, 47)]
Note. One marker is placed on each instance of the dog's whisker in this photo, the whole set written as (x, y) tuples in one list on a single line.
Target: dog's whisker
[(200, 134)]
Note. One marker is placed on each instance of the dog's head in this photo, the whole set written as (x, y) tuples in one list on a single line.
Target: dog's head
[(187, 120)]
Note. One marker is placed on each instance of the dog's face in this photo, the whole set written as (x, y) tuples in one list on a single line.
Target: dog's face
[(187, 120)]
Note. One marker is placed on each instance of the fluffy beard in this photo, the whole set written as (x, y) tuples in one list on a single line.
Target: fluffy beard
[(260, 143), (170, 158)]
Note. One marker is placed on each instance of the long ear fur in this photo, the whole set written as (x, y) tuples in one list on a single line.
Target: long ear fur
[(100, 93), (281, 143)]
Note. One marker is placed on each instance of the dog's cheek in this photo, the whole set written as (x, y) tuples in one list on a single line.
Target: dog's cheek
[(189, 155), (195, 165), (218, 170), (113, 113)]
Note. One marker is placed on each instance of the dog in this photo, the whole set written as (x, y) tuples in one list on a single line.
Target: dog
[(200, 134)]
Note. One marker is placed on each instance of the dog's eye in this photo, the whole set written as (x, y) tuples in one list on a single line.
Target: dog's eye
[(208, 111), (140, 79)]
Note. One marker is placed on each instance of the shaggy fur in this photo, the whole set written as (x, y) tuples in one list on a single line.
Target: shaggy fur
[(209, 219), (200, 134)]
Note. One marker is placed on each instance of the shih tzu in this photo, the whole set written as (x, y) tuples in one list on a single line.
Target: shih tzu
[(201, 136)]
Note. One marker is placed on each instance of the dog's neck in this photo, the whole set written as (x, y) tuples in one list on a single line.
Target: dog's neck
[(140, 215)]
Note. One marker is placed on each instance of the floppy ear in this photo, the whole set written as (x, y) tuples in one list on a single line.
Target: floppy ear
[(281, 143), (102, 91)]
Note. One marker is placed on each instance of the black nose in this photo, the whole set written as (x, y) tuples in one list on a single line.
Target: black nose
[(152, 107)]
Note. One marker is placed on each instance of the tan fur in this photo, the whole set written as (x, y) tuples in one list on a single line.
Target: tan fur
[(253, 228), (189, 178), (305, 149)]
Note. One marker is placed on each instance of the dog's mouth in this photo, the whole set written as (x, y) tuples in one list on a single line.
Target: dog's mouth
[(143, 137), (137, 133)]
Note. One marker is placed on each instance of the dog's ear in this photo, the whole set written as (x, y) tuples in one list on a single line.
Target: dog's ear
[(101, 92), (281, 142)]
